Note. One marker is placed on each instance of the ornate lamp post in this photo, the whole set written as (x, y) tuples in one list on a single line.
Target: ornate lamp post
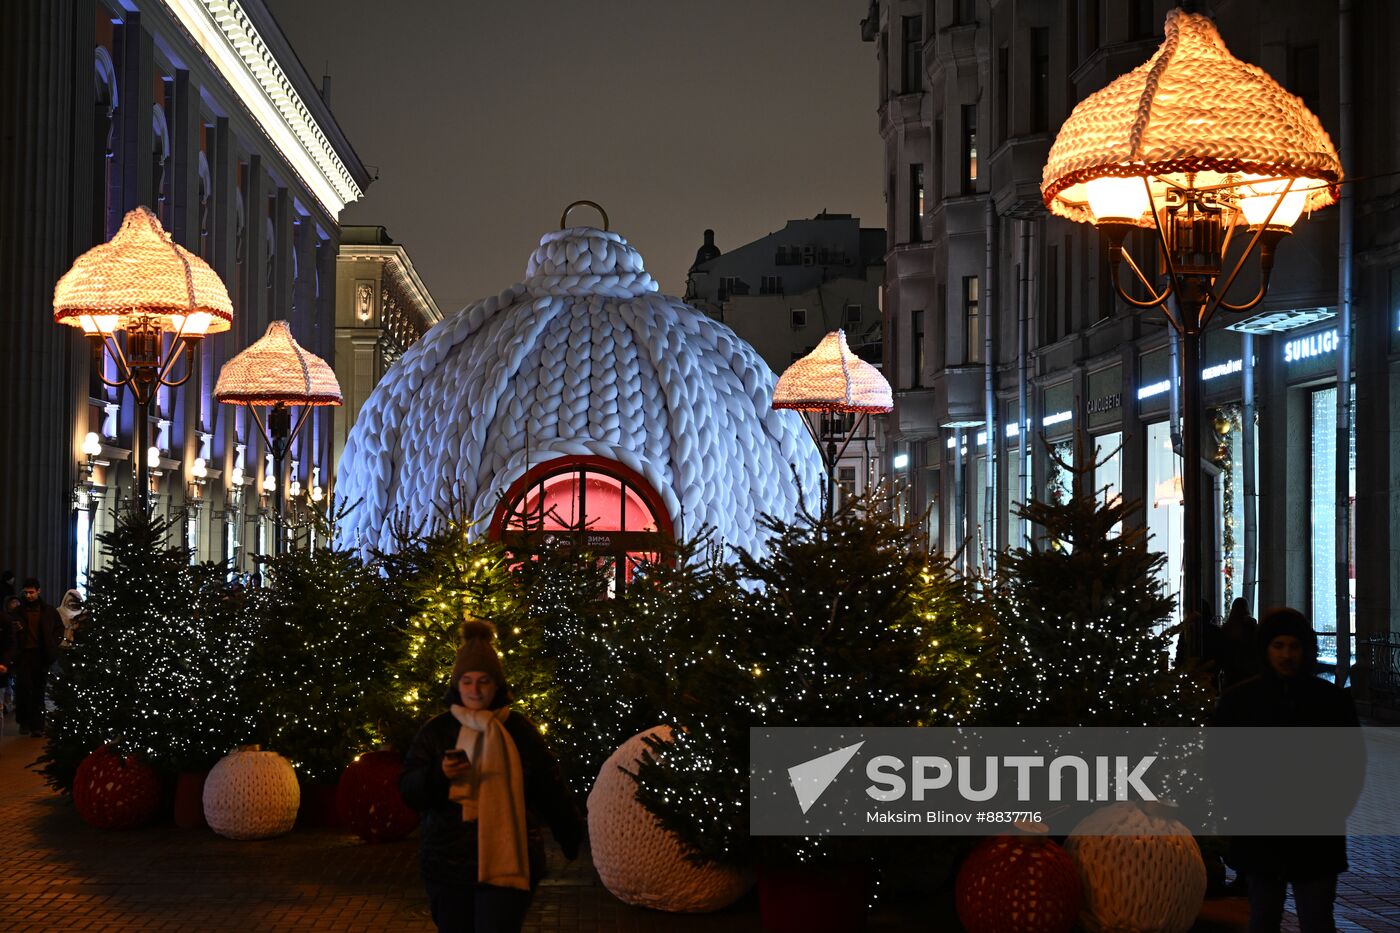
[(280, 374), (830, 380), (126, 295), (1205, 153)]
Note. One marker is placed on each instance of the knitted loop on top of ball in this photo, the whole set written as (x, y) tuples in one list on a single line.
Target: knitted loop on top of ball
[(585, 261)]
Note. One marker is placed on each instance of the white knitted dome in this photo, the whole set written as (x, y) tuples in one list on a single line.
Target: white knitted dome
[(639, 862), (583, 358)]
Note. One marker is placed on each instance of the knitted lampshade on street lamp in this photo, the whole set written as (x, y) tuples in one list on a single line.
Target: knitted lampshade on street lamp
[(832, 379), (279, 373), (125, 295), (1204, 151)]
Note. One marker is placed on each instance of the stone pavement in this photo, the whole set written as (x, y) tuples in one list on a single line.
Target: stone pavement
[(56, 873)]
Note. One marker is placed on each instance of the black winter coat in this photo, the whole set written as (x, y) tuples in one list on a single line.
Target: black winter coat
[(1270, 700), (447, 845)]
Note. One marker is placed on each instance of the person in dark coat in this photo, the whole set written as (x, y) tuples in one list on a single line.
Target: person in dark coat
[(485, 783), (40, 632), (1239, 655), (1286, 693)]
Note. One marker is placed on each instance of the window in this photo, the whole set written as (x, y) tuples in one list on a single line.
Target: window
[(846, 479), (972, 315), (884, 66), (1304, 75), (731, 285), (913, 54), (853, 314), (799, 318), (1091, 35), (967, 12), (1067, 308), (916, 202), (1051, 332), (1003, 93), (938, 144), (771, 285), (916, 344), (1164, 517), (1040, 80), (969, 148), (591, 503), (1142, 22)]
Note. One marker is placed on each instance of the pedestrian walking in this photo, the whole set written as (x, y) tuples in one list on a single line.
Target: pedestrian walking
[(70, 610), (37, 648), (485, 784), (1285, 693), (1239, 654)]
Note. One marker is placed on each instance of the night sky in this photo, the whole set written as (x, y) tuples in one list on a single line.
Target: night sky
[(484, 119)]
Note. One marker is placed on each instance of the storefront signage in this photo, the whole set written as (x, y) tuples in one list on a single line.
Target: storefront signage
[(1107, 403), (1305, 348)]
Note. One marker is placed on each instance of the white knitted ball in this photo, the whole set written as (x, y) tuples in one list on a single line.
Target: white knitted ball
[(638, 861), (251, 794), (1150, 879), (582, 359)]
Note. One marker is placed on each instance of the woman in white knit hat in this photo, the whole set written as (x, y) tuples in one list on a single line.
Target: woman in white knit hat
[(484, 781)]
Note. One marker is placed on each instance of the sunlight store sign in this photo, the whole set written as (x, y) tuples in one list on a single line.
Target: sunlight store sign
[(1311, 346)]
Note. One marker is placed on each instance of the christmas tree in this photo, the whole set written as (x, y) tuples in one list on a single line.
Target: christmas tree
[(1082, 637), (444, 577), (848, 623), (159, 665), (317, 665)]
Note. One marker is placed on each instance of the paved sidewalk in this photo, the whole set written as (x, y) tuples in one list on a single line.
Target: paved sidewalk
[(56, 873)]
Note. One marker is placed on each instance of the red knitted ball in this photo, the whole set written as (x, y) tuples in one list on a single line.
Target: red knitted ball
[(1018, 884), (368, 800), (115, 793)]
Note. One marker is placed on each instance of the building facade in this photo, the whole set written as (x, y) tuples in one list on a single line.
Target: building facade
[(200, 110), (783, 292), (1005, 339), (382, 308)]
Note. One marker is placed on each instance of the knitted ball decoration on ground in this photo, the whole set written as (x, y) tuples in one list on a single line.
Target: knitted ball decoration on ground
[(583, 361), (112, 792), (1147, 878), (637, 860), (1018, 884), (368, 802), (251, 794)]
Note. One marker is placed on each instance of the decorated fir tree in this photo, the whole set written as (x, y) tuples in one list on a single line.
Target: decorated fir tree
[(847, 623), (158, 669), (328, 620), (443, 578), (1082, 635)]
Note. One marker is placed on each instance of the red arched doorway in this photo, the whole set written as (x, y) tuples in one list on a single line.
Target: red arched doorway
[(598, 504)]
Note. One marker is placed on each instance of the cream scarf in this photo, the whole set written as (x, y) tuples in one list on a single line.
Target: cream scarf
[(493, 794)]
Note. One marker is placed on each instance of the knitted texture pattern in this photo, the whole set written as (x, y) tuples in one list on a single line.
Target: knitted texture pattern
[(1018, 884), (1192, 107), (141, 270), (637, 860), (1148, 879), (251, 795), (832, 378), (111, 792), (277, 369), (582, 358)]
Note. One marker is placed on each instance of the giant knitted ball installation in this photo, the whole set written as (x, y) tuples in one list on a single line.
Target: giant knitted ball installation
[(1148, 878), (1018, 884), (637, 860), (582, 359), (112, 792), (251, 794)]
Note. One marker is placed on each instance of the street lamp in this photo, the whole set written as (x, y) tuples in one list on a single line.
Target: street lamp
[(126, 295), (278, 373), (830, 380), (1203, 151)]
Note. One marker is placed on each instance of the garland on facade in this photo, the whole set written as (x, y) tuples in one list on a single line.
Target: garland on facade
[(1227, 420)]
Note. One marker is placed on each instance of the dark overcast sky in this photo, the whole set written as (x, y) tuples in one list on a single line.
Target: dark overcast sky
[(485, 118)]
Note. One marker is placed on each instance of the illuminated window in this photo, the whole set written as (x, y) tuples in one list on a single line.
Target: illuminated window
[(594, 504)]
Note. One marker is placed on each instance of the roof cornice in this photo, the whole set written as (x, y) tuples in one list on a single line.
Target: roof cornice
[(226, 34), (396, 257)]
